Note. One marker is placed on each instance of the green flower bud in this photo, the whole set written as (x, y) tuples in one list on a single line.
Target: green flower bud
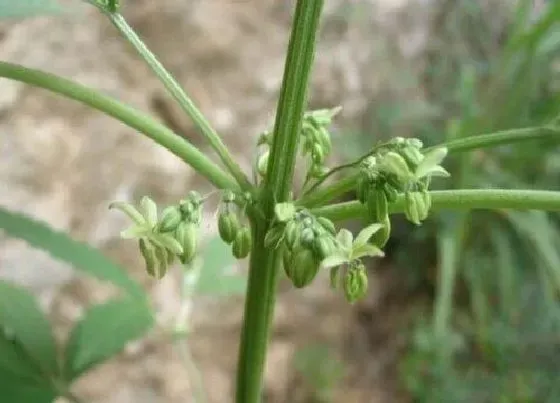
[(355, 283), (307, 236), (162, 265), (378, 207), (327, 224), (170, 219), (292, 234), (390, 193), (287, 263), (324, 138), (395, 164), (262, 163), (228, 225), (242, 243), (334, 276), (304, 267), (148, 252), (317, 154), (186, 234), (427, 203), (323, 247), (413, 156), (411, 207)]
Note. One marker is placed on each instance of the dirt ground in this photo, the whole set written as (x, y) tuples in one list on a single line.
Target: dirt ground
[(63, 163)]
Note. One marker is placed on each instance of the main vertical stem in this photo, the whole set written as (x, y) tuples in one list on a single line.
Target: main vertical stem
[(264, 263)]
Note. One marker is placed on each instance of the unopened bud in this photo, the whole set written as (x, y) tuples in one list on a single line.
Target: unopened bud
[(228, 225), (242, 243), (170, 219)]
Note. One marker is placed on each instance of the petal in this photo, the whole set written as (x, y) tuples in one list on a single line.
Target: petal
[(130, 211), (366, 233)]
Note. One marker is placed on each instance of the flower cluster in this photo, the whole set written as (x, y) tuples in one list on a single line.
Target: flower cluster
[(315, 142), (231, 230), (174, 235), (398, 166), (305, 241)]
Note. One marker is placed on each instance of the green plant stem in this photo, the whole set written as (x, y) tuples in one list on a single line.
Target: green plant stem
[(186, 104), (264, 263), (126, 114), (500, 138), (506, 137), (464, 199)]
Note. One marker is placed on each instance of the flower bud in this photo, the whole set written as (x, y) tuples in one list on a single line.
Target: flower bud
[(228, 225), (292, 234), (170, 219), (149, 254), (411, 208), (378, 207), (394, 163), (307, 236), (242, 243), (162, 257), (390, 193), (327, 224), (413, 156), (317, 154), (187, 237), (262, 163), (355, 283), (304, 267), (334, 277), (323, 247), (324, 139)]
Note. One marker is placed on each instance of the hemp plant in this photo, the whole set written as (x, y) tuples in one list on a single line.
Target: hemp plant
[(263, 216)]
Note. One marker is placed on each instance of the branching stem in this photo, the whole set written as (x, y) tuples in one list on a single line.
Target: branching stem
[(126, 114), (466, 199)]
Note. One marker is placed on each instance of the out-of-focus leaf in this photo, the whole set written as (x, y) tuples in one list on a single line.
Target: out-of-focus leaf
[(104, 331), (213, 279), (62, 247), (28, 8), (22, 321)]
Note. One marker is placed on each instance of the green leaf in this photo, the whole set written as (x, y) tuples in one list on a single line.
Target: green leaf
[(21, 380), (60, 246), (16, 391), (28, 8), (23, 322), (104, 331), (213, 281)]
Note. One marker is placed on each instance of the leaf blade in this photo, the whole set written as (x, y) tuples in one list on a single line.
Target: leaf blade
[(103, 332), (28, 8), (60, 246), (21, 316)]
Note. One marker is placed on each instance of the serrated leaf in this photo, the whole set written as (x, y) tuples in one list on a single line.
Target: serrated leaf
[(365, 234), (28, 8), (104, 331), (213, 281), (22, 319), (16, 391), (62, 247)]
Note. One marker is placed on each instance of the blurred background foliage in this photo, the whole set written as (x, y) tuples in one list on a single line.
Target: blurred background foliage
[(492, 334)]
